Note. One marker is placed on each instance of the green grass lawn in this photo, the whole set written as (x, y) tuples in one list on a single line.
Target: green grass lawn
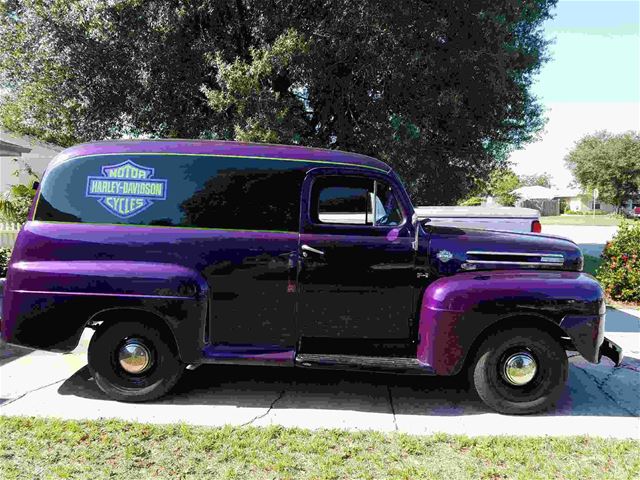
[(598, 220), (39, 448)]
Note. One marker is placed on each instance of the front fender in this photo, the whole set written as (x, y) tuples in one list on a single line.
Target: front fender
[(47, 304), (456, 310)]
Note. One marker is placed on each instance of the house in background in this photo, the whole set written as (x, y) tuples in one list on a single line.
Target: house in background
[(542, 199), (578, 201), (550, 201), (35, 153)]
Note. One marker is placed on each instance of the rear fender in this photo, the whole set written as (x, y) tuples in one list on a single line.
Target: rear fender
[(458, 310), (47, 304)]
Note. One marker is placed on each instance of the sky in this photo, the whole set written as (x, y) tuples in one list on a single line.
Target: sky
[(590, 83)]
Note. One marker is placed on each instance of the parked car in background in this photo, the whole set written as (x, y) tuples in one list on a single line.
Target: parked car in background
[(633, 212), (493, 218), (180, 253)]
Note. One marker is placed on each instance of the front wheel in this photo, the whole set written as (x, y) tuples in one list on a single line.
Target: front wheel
[(520, 371), (133, 362)]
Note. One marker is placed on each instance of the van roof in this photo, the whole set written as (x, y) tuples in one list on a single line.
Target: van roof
[(218, 147)]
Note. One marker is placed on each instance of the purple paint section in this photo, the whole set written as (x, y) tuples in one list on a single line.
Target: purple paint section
[(218, 148), (452, 309), (84, 269), (108, 278), (94, 294), (459, 241), (257, 353), (463, 291)]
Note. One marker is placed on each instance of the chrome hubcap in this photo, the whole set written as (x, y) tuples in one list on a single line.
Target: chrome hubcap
[(134, 356), (519, 368)]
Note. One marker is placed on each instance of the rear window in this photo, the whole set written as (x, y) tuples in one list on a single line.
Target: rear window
[(174, 190)]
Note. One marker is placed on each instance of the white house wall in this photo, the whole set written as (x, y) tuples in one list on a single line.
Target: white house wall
[(38, 159), (581, 204)]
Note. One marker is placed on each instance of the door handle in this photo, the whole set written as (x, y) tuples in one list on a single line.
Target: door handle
[(307, 248)]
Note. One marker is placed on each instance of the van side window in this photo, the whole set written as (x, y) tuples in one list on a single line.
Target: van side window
[(354, 201), (175, 191), (343, 200), (246, 199)]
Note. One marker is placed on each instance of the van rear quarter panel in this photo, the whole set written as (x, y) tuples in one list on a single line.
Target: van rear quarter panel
[(62, 275)]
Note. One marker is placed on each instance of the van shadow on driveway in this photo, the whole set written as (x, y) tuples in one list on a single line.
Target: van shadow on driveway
[(592, 390)]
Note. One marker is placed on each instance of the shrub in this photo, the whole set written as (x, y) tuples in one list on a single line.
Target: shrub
[(5, 255), (586, 212), (620, 269), (471, 202)]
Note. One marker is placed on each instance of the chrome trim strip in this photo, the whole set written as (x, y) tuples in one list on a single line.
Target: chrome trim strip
[(518, 254), (307, 248), (493, 262)]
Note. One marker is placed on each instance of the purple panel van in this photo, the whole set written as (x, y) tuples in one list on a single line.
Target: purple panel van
[(185, 252)]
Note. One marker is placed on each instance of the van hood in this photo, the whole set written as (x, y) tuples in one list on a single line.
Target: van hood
[(452, 250)]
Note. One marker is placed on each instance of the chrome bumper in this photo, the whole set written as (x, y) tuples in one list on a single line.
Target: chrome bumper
[(611, 350)]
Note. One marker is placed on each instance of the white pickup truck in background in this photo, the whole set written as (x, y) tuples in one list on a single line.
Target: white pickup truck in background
[(493, 218)]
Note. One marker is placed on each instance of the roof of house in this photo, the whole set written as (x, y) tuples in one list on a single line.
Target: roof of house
[(534, 193), (222, 148), (9, 149), (27, 141), (569, 193)]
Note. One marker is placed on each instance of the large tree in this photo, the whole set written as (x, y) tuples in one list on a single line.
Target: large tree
[(608, 162), (535, 180), (440, 90)]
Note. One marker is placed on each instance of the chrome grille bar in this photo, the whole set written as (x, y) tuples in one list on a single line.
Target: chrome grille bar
[(549, 259)]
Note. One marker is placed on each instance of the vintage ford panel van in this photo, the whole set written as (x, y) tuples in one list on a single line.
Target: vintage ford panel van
[(187, 252)]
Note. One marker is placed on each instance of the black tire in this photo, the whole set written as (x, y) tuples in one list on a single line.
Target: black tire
[(163, 372), (541, 393)]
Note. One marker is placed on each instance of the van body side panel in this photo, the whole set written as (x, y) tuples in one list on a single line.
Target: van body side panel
[(206, 226), (457, 309), (63, 274)]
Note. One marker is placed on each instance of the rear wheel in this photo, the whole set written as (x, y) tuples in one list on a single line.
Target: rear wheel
[(133, 362), (520, 371)]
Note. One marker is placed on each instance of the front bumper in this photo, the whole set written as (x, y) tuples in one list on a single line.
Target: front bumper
[(611, 350)]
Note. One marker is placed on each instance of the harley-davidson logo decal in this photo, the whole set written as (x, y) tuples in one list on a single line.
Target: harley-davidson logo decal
[(444, 255), (126, 189)]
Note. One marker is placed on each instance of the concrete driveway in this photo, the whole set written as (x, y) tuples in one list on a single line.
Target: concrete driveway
[(599, 400), (590, 238)]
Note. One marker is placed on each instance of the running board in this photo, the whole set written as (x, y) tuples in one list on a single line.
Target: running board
[(359, 362)]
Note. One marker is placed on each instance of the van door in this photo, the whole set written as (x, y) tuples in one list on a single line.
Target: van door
[(357, 274)]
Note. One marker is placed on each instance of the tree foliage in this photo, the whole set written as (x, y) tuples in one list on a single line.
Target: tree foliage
[(536, 180), (16, 201), (440, 90), (610, 163), (501, 183)]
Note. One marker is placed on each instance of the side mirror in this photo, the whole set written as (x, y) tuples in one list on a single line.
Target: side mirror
[(35, 185)]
